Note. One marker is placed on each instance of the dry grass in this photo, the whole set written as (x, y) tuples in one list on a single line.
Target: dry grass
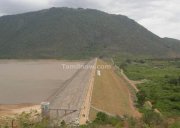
[(111, 93), (92, 114)]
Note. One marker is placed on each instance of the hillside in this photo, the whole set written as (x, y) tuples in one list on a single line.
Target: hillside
[(77, 33), (174, 45)]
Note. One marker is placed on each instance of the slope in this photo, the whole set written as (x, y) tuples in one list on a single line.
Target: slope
[(111, 94)]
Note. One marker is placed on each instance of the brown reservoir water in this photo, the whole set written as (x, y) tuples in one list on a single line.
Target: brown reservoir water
[(32, 81)]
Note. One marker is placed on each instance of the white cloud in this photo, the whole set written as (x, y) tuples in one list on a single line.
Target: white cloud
[(20, 6), (32, 2), (159, 16), (2, 14)]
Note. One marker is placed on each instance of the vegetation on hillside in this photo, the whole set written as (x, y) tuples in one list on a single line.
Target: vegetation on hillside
[(77, 33)]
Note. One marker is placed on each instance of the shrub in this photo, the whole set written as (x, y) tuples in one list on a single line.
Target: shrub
[(141, 98), (101, 118), (63, 123), (152, 118)]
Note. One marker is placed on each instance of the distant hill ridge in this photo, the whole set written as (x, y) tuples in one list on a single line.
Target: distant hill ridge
[(78, 33)]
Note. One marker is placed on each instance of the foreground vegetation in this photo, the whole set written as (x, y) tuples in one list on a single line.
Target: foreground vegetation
[(162, 86), (150, 119), (159, 84)]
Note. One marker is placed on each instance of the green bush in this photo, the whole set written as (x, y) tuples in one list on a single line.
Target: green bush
[(141, 98), (152, 118), (104, 119), (101, 118)]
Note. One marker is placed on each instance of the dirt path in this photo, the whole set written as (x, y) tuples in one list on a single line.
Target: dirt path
[(99, 110), (132, 83)]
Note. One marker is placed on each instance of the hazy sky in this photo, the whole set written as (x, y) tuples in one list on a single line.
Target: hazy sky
[(160, 16)]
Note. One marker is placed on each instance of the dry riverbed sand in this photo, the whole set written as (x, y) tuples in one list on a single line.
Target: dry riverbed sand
[(10, 110)]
